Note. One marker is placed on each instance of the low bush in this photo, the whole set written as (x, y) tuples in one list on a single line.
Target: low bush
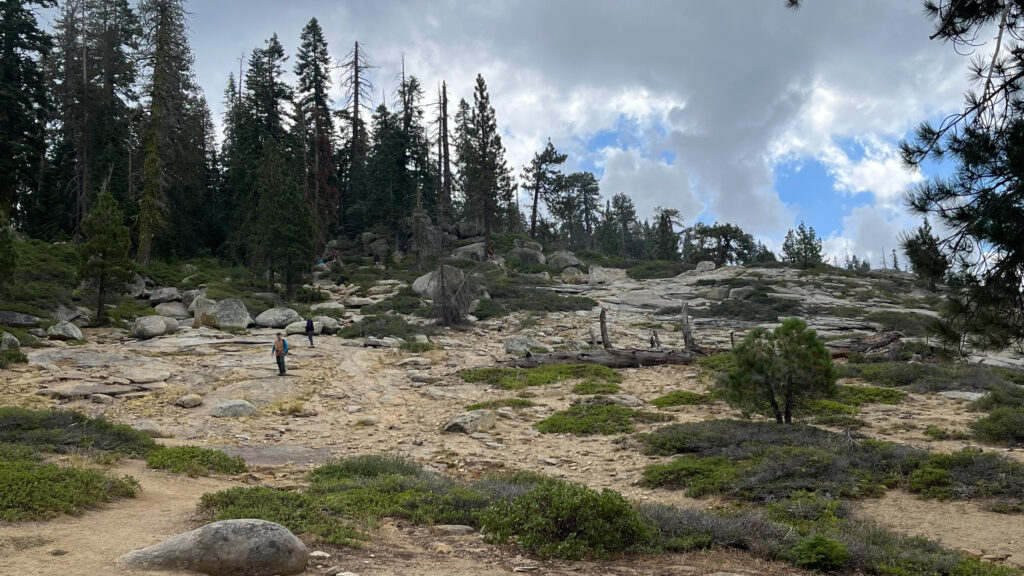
[(683, 398), (1001, 397), (515, 403), (568, 521), (908, 323), (296, 511), (760, 306), (861, 395), (699, 476), (657, 269), (128, 309), (1004, 426), (931, 482), (590, 419), (8, 357), (513, 294), (404, 302), (62, 431), (366, 466), (819, 552), (383, 325), (195, 461), (927, 377), (518, 378), (718, 363), (31, 490), (686, 529), (935, 433)]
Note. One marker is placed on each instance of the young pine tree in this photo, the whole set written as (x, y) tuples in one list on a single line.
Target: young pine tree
[(926, 258), (105, 256), (8, 257), (802, 248)]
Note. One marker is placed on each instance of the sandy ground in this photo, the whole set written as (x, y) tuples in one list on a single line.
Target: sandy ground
[(340, 400)]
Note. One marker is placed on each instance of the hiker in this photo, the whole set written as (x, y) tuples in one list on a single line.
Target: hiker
[(279, 349), (309, 331)]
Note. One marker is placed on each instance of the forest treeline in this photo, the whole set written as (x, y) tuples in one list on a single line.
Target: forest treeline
[(108, 101)]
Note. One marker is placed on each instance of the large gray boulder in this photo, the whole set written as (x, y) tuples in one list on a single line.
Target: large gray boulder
[(233, 409), (189, 296), (230, 313), (172, 309), (328, 307), (17, 319), (146, 327), (226, 548), (522, 345), (562, 259), (330, 325), (705, 266), (598, 275), (277, 317), (9, 342), (300, 328), (573, 275), (426, 286), (475, 252), (467, 229), (137, 288), (161, 295), (526, 256), (172, 324), (741, 292), (64, 330), (472, 421)]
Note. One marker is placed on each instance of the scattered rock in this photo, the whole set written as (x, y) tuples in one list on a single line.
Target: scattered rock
[(527, 256), (64, 330), (137, 288), (172, 309), (416, 361), (626, 400), (234, 409), (146, 327), (716, 293), (300, 328), (227, 548), (319, 555), (475, 252), (17, 319), (327, 324), (466, 229), (705, 266), (150, 428), (82, 391), (101, 399), (454, 529), (337, 306), (161, 295), (522, 345), (441, 548), (9, 342), (961, 395), (472, 421), (171, 324), (561, 259), (189, 296), (358, 301), (230, 313), (572, 275), (140, 375), (277, 317), (189, 401), (741, 292)]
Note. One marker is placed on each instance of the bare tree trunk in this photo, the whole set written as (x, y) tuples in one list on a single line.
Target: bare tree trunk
[(687, 332), (604, 331)]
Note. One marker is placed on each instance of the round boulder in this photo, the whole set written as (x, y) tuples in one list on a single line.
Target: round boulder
[(300, 328), (230, 313), (229, 547), (705, 266), (475, 252), (573, 275), (562, 259), (9, 342), (330, 325), (64, 330), (161, 295), (146, 327), (234, 409), (277, 317), (189, 401), (472, 421), (172, 309), (527, 256)]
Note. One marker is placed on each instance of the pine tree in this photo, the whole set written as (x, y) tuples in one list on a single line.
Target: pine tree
[(722, 244), (541, 180), (665, 241), (354, 181), (22, 101), (802, 248), (487, 178), (923, 252), (8, 255), (577, 208), (628, 230), (285, 240), (105, 254), (313, 69)]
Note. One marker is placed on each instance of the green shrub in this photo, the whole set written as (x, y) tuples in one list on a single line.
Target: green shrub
[(591, 387), (657, 269), (297, 512), (384, 325), (31, 490), (683, 398), (404, 302), (861, 395), (909, 323), (513, 294), (718, 363), (935, 433), (1001, 397), (930, 482), (502, 403), (195, 461), (365, 466), (819, 553), (1002, 426), (8, 357), (567, 521), (699, 476), (830, 408), (128, 309), (685, 529), (590, 419), (61, 431), (518, 378)]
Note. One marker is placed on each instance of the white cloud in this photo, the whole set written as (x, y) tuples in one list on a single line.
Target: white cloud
[(650, 183), (880, 172)]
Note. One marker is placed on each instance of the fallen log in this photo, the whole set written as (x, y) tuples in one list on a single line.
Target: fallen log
[(614, 358)]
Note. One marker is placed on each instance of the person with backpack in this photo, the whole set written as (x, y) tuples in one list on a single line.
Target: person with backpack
[(309, 331), (279, 349)]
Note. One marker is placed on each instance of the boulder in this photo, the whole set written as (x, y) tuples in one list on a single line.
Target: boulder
[(63, 312), (171, 323), (472, 421), (598, 275), (17, 319), (573, 275), (426, 286), (144, 375), (527, 256), (189, 296), (201, 302), (522, 345), (277, 317), (705, 266), (230, 313), (357, 301), (531, 245), (233, 409), (146, 327), (716, 293), (151, 429), (172, 309), (137, 288), (328, 306), (475, 252), (64, 330), (741, 292), (161, 295), (226, 548), (9, 342), (329, 325), (189, 401), (300, 328), (562, 259)]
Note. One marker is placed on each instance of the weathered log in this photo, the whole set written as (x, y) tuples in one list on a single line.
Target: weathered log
[(884, 345), (615, 358), (604, 331)]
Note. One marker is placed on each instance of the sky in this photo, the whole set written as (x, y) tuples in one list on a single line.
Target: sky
[(734, 111)]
